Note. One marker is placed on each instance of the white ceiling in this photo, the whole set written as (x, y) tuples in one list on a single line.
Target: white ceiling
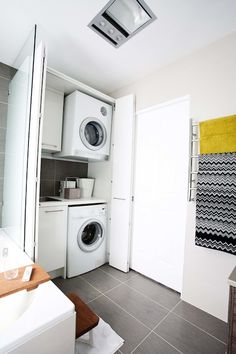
[(182, 27)]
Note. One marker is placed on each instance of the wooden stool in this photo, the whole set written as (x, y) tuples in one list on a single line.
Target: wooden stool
[(86, 319)]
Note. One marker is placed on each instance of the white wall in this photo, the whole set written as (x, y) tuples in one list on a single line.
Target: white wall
[(209, 77)]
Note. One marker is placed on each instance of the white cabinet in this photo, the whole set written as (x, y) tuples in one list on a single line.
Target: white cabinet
[(52, 121), (52, 234)]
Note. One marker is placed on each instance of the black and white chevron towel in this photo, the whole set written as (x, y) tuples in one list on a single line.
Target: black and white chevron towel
[(216, 202)]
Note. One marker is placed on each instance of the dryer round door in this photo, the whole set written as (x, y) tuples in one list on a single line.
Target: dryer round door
[(93, 133), (90, 235)]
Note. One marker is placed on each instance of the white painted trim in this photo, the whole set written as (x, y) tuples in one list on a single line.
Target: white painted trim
[(83, 87), (32, 193), (39, 150), (163, 104), (53, 90)]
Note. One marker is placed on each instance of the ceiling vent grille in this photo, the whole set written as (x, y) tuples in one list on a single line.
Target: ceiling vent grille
[(120, 20)]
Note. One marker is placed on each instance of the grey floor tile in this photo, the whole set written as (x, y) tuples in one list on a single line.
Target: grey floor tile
[(208, 323), (47, 188), (145, 310), (4, 84), (78, 286), (6, 71), (0, 216), (64, 169), (3, 115), (157, 292), (57, 187), (126, 326), (47, 169), (155, 345), (2, 139), (100, 280), (2, 163), (117, 273), (187, 338), (1, 189)]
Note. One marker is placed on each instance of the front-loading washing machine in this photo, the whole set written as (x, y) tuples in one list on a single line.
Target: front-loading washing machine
[(86, 128), (86, 243)]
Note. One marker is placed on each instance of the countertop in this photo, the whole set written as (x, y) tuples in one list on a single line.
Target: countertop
[(68, 202), (232, 278)]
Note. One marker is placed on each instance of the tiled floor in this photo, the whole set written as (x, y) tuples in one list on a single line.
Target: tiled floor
[(150, 317)]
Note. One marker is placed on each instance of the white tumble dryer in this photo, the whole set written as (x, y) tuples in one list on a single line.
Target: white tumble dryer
[(86, 244), (86, 128)]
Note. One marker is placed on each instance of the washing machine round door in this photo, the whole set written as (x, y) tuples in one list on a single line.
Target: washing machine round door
[(93, 133), (90, 235)]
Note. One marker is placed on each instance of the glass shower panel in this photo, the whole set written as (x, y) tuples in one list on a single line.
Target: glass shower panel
[(16, 145)]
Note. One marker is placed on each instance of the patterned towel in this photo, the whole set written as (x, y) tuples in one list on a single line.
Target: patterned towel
[(216, 202)]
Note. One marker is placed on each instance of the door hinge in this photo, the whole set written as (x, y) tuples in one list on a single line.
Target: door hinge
[(132, 198)]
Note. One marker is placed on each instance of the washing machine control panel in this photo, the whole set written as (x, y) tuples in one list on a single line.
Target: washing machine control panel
[(103, 211)]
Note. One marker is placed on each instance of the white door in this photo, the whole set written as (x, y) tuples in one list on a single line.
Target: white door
[(122, 176), (160, 192)]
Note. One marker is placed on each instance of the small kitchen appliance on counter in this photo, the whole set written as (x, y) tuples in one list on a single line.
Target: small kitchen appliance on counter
[(70, 182), (71, 193), (86, 186)]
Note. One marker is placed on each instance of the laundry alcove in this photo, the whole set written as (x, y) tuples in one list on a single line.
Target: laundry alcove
[(149, 174)]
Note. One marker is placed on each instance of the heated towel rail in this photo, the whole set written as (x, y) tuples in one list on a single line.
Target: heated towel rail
[(193, 160)]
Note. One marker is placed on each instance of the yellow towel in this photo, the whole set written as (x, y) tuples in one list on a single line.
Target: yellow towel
[(218, 135)]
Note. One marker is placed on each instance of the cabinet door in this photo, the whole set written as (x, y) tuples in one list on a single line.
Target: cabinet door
[(123, 146), (52, 120), (52, 237), (122, 182)]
